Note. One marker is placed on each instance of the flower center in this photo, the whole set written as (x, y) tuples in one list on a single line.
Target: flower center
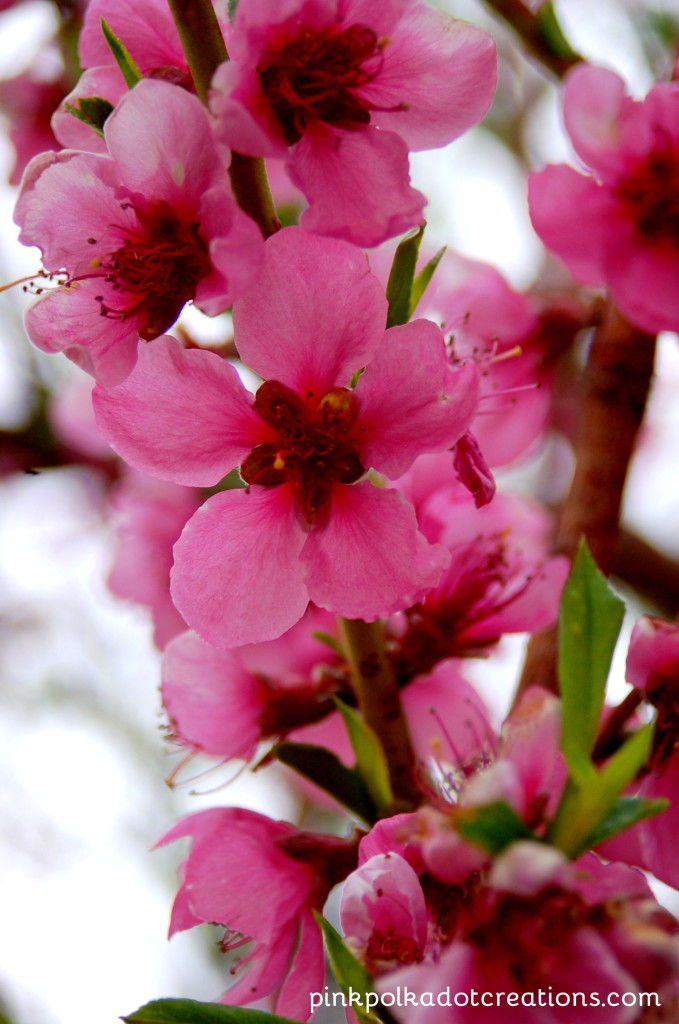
[(312, 78), (155, 271), (313, 444), (653, 192)]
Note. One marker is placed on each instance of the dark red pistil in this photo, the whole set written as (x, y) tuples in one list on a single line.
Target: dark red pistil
[(653, 193), (155, 271), (313, 78), (314, 444)]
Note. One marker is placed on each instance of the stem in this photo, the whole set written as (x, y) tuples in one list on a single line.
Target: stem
[(615, 389), (540, 32), (380, 703), (205, 50)]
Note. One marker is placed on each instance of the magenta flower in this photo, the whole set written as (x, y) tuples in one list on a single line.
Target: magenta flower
[(307, 526), (618, 227), (345, 89), (136, 234), (261, 879)]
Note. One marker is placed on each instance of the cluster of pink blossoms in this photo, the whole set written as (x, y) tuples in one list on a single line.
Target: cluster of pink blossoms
[(356, 480)]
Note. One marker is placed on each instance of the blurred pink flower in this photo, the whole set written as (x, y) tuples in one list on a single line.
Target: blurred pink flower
[(619, 226)]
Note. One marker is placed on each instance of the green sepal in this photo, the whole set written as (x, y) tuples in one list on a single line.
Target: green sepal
[(92, 111), (401, 277), (128, 67), (350, 973), (590, 617), (188, 1011), (492, 826), (324, 769), (422, 279), (371, 762), (626, 811)]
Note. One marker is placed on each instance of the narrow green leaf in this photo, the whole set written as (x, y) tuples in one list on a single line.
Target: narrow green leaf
[(422, 279), (325, 769), (493, 826), (188, 1011), (91, 110), (627, 810), (590, 617), (371, 762), (400, 283), (330, 641), (584, 806), (552, 32), (231, 9), (123, 58), (351, 975)]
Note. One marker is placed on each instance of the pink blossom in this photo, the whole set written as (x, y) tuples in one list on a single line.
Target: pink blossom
[(148, 517), (306, 527), (224, 702), (537, 923), (135, 234), (500, 578), (28, 101), (619, 226), (653, 669), (384, 915), (345, 89), (261, 879)]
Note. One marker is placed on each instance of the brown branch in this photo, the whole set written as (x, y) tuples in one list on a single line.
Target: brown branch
[(651, 572), (540, 33), (380, 704), (205, 50), (615, 387)]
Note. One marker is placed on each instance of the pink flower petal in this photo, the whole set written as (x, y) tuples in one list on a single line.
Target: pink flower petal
[(81, 187), (594, 103), (442, 71), (553, 194), (643, 282), (212, 700), (237, 577), (178, 160), (411, 400), (201, 425), (144, 26), (72, 133), (62, 321), (369, 559), (328, 332), (357, 184), (306, 974)]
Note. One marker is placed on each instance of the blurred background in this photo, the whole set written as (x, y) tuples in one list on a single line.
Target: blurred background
[(84, 904)]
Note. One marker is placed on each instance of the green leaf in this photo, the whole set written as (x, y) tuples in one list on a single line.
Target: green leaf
[(590, 617), (492, 827), (325, 769), (400, 283), (91, 110), (351, 975), (371, 762), (422, 280), (626, 811), (552, 32), (586, 805), (330, 641), (123, 58), (188, 1011), (231, 9)]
